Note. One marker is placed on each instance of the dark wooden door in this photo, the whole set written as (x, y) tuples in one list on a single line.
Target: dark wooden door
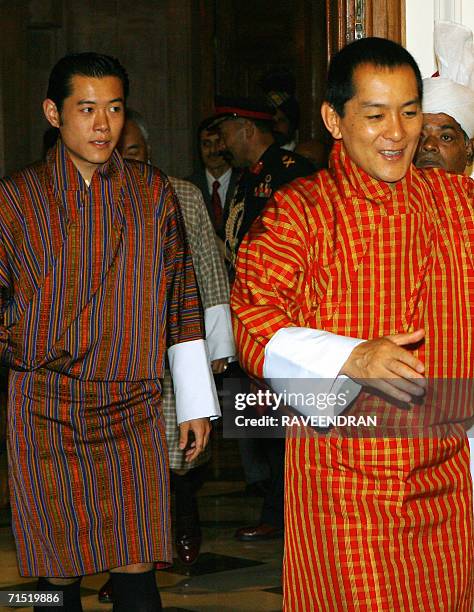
[(244, 39), (237, 41), (351, 19)]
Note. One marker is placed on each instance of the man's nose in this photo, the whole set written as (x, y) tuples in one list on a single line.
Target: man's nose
[(429, 143), (395, 129), (101, 121), (216, 146)]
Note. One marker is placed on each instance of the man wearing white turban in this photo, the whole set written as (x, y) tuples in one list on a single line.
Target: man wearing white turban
[(448, 103), (447, 137)]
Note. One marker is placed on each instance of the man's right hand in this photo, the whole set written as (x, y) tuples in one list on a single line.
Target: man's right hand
[(389, 367)]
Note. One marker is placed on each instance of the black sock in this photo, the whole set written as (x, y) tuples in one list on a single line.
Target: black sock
[(135, 592), (71, 596)]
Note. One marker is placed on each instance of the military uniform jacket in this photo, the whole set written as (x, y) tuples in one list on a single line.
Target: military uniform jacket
[(275, 168)]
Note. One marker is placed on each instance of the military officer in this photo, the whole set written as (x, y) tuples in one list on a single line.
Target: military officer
[(245, 126)]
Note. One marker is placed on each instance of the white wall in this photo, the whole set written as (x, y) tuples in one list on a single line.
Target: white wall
[(420, 16)]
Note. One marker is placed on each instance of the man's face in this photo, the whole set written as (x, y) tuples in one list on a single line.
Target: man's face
[(443, 144), (382, 122), (234, 141), (132, 144), (90, 121), (211, 151)]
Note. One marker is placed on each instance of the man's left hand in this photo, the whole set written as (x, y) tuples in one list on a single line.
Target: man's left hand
[(201, 428)]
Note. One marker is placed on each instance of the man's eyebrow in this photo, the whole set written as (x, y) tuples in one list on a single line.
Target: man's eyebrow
[(370, 104), (411, 102), (447, 126), (95, 102)]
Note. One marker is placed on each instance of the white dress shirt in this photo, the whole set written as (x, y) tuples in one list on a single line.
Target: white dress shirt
[(224, 181)]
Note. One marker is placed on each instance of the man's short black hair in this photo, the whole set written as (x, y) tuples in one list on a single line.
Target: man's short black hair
[(84, 64), (378, 52)]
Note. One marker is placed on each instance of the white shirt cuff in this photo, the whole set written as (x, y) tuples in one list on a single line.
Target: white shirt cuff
[(193, 381), (219, 334), (303, 353)]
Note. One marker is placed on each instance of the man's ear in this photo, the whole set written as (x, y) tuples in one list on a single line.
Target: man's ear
[(249, 127), (51, 113), (331, 120), (470, 151)]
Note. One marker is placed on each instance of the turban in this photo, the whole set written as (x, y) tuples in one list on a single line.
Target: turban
[(452, 93)]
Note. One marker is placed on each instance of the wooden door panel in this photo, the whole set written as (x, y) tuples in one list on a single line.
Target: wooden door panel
[(350, 19)]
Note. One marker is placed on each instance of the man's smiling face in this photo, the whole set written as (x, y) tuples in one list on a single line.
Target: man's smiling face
[(382, 121)]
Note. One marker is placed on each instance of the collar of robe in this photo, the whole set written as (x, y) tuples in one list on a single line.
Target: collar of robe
[(66, 177), (358, 183)]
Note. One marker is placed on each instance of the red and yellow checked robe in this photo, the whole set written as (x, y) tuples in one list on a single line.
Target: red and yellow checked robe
[(376, 523), (96, 283)]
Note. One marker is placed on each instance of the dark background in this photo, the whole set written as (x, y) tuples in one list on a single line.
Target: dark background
[(178, 54)]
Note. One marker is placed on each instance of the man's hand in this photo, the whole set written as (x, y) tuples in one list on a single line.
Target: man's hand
[(391, 369), (201, 428), (219, 365)]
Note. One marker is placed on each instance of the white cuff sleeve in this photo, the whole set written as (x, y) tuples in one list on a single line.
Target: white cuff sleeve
[(219, 334), (302, 353), (193, 381)]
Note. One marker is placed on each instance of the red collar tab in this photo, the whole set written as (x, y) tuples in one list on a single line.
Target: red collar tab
[(256, 168)]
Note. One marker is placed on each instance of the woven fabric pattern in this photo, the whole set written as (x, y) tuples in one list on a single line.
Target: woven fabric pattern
[(371, 524)]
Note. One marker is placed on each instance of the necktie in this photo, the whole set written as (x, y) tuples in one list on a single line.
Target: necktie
[(216, 205)]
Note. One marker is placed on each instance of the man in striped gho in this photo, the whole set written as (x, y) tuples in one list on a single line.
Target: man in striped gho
[(97, 285)]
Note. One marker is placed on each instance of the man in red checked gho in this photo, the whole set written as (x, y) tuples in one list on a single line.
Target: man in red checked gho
[(364, 275)]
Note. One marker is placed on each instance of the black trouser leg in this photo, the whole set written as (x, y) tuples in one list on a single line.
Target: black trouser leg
[(272, 509), (186, 487), (135, 592), (71, 596)]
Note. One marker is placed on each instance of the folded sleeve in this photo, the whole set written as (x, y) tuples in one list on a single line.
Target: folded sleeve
[(188, 357), (317, 356), (193, 382), (184, 315), (210, 270)]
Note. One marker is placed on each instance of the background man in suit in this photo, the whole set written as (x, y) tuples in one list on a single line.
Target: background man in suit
[(216, 178)]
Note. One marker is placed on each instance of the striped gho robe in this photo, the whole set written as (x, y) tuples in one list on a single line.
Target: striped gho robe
[(375, 523), (96, 283)]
